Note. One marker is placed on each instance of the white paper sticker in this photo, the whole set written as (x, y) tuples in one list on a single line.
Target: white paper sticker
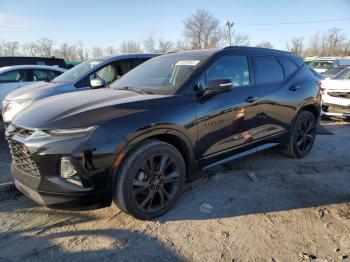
[(187, 62)]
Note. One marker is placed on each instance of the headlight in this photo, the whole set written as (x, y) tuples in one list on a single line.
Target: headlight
[(12, 108), (70, 132)]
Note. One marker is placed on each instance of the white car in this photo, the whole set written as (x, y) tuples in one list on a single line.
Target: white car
[(321, 65), (336, 95), (13, 77)]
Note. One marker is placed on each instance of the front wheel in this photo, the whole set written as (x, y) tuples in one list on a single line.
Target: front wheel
[(302, 136), (150, 180)]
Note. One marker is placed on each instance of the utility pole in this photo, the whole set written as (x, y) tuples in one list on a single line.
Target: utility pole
[(229, 25)]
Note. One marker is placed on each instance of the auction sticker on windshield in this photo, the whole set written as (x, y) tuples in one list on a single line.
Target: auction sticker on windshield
[(187, 62)]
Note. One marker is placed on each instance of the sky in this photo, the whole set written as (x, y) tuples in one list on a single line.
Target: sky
[(108, 23)]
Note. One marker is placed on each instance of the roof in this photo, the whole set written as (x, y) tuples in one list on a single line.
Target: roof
[(123, 56), (18, 67)]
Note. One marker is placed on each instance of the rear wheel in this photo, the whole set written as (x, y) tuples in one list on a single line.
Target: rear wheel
[(150, 180), (302, 136)]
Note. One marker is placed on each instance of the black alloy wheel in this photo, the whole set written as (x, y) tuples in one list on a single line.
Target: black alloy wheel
[(150, 180)]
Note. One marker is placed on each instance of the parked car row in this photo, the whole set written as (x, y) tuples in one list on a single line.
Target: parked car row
[(91, 74), (335, 79), (135, 142)]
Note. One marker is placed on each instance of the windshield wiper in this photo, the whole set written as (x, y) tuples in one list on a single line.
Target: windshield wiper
[(137, 90)]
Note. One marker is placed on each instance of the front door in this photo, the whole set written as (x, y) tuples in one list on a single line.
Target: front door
[(227, 119)]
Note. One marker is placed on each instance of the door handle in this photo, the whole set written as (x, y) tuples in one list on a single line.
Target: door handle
[(251, 99), (294, 87)]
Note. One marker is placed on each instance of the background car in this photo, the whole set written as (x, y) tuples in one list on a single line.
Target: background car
[(29, 60), (14, 77), (93, 73), (336, 95), (321, 65)]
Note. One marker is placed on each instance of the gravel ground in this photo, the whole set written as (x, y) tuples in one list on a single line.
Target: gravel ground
[(284, 210)]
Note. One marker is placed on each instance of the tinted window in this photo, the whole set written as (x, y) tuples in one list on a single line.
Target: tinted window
[(108, 73), (268, 69), (343, 75), (39, 75), (230, 67), (139, 61), (13, 76), (288, 66)]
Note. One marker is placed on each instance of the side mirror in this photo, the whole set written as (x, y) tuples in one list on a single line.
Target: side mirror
[(97, 83), (215, 86)]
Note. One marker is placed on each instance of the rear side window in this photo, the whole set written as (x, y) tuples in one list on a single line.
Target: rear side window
[(268, 69), (288, 66)]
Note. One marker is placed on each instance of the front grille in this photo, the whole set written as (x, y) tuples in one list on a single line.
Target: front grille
[(22, 131), (336, 109), (340, 94), (22, 159)]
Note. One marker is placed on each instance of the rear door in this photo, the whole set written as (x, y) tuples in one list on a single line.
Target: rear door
[(273, 81)]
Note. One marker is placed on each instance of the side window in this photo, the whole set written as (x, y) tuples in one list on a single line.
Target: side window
[(230, 67), (288, 66), (113, 71), (52, 74), (13, 76), (39, 75), (109, 73), (268, 69)]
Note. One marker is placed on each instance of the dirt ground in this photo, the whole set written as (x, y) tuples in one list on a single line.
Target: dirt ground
[(295, 210)]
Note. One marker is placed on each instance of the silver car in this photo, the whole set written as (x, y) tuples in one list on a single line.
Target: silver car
[(93, 73), (13, 77)]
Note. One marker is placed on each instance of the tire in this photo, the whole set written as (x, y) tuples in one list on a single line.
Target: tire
[(150, 180), (302, 136)]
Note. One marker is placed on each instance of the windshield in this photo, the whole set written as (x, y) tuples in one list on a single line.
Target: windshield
[(333, 71), (161, 75), (343, 75), (322, 64), (77, 71)]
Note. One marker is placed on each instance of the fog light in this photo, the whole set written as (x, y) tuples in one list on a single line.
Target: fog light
[(67, 169)]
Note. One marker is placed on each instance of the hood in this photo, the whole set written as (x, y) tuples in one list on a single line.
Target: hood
[(39, 90), (83, 109), (330, 84)]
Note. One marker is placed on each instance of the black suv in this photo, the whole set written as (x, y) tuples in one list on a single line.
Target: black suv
[(137, 142)]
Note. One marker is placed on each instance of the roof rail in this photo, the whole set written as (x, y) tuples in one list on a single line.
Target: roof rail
[(170, 52)]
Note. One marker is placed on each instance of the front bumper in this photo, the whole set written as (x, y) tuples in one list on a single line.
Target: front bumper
[(336, 105), (46, 187)]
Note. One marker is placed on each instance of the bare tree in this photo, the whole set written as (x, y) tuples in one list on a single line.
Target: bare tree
[(296, 45), (334, 41), (129, 47), (149, 45), (96, 52), (202, 30), (182, 45), (110, 51), (9, 48), (45, 47), (240, 39), (30, 49), (265, 44), (164, 46), (64, 51), (315, 45), (82, 54)]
